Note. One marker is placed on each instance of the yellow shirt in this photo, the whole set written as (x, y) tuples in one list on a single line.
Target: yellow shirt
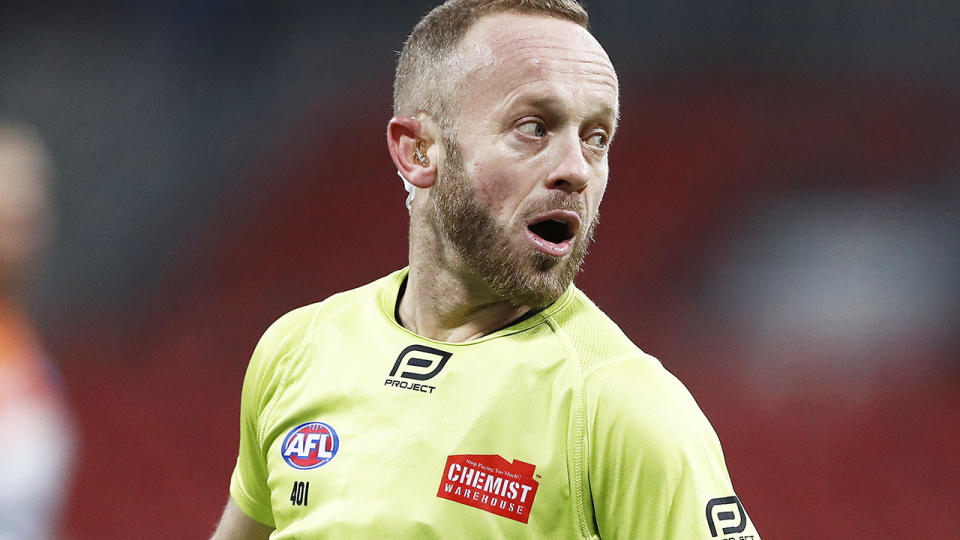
[(554, 427)]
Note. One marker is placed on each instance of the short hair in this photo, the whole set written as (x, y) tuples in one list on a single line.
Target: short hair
[(423, 79)]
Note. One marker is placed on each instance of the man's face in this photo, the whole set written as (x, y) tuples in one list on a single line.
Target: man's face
[(520, 186)]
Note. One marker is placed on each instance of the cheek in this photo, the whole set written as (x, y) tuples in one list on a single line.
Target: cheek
[(596, 194), (493, 196), (495, 188)]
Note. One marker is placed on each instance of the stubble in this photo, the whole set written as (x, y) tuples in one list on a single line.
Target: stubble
[(522, 275)]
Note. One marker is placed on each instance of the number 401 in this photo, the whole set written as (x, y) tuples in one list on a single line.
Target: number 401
[(300, 496)]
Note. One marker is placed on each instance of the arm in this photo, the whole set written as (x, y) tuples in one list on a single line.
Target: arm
[(248, 514), (235, 525), (656, 466)]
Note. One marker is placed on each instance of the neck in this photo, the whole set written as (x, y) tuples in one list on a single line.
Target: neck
[(445, 306), (444, 299)]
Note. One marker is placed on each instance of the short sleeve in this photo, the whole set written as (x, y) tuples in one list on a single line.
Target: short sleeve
[(655, 466), (262, 382)]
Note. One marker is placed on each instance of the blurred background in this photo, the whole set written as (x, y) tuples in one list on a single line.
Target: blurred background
[(781, 229)]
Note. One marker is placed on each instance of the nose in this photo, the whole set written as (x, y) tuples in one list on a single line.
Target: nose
[(572, 171)]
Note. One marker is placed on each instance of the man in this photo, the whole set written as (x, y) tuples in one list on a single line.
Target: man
[(36, 436), (478, 393)]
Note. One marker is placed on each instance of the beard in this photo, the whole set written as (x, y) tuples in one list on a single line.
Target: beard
[(523, 275)]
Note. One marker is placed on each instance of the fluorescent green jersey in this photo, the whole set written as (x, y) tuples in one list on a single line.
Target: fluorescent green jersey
[(554, 427)]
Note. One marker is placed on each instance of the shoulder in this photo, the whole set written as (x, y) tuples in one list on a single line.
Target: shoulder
[(637, 410), (297, 329), (297, 326), (624, 387), (639, 392), (594, 339)]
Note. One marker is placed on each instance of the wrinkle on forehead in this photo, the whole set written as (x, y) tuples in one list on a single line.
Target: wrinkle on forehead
[(521, 40), (525, 46)]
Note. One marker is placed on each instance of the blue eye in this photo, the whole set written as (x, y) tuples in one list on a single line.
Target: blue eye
[(533, 129), (598, 140)]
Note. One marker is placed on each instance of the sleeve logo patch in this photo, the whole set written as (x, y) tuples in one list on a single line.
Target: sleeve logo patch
[(310, 445), (727, 515), (490, 483)]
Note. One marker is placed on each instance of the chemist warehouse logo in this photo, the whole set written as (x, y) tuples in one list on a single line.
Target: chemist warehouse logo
[(490, 483), (310, 445), (417, 363)]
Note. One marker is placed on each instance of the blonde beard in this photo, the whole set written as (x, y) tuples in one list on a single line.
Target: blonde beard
[(522, 276)]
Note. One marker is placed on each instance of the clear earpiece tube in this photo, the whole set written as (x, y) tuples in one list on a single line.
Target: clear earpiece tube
[(411, 189)]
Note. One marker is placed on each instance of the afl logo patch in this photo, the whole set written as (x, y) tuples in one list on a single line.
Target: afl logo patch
[(310, 445)]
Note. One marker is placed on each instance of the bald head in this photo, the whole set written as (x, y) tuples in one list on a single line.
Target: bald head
[(515, 55)]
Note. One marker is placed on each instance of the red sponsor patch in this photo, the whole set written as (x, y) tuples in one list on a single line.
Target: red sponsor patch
[(490, 483)]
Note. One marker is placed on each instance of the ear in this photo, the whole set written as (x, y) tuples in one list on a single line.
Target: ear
[(409, 141)]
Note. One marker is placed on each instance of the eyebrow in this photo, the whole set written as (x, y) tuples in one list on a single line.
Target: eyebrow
[(551, 104)]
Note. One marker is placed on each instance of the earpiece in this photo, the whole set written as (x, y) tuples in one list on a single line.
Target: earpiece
[(419, 155)]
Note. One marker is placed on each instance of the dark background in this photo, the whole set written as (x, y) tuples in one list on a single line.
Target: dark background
[(781, 229)]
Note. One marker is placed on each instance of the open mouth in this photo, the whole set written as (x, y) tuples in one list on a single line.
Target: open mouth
[(553, 232)]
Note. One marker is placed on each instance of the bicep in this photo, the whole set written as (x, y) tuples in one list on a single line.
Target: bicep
[(236, 525)]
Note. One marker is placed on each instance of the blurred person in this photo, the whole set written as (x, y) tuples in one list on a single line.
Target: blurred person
[(35, 432), (478, 392)]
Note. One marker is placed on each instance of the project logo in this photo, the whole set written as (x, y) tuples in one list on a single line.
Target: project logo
[(419, 363), (725, 515), (310, 445)]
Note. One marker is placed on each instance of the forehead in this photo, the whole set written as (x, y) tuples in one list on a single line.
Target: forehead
[(513, 50)]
